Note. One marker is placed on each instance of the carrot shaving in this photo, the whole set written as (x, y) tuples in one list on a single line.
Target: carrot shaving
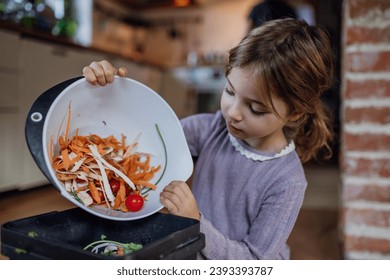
[(87, 163), (51, 150), (121, 195), (68, 125), (146, 184), (94, 192), (65, 159)]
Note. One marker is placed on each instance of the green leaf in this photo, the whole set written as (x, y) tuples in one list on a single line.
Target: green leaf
[(20, 251), (131, 247), (32, 234)]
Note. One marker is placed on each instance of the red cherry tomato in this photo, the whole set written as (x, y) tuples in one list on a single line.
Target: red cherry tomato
[(134, 202), (115, 184)]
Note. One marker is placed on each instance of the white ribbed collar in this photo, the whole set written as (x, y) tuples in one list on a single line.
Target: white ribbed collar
[(257, 157)]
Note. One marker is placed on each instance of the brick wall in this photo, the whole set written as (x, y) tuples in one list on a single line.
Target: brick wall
[(365, 153)]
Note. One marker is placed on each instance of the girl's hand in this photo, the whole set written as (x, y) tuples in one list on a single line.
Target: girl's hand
[(102, 72), (179, 200)]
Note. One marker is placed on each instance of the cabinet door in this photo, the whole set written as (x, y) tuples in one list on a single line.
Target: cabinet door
[(10, 145), (10, 130), (9, 83), (9, 50), (10, 135)]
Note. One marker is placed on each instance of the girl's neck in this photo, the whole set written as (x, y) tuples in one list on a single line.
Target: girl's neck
[(269, 144)]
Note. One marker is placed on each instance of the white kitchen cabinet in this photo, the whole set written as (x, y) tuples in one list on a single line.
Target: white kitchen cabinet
[(9, 50), (9, 83), (10, 136), (11, 157)]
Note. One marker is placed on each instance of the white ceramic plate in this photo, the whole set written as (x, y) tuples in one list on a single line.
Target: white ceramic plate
[(124, 106)]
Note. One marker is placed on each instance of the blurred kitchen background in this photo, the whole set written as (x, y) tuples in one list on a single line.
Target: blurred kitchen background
[(178, 48)]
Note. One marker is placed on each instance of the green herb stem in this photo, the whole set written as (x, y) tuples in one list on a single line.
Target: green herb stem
[(166, 157)]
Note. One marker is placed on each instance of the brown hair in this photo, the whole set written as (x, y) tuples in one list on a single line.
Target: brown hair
[(293, 61)]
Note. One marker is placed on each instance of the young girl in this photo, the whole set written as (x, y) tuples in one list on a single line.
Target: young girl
[(249, 183)]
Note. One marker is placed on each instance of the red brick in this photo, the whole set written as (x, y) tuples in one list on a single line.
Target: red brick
[(366, 88), (354, 243), (366, 142), (367, 61), (367, 167), (358, 34), (369, 114), (369, 192), (367, 217), (358, 8)]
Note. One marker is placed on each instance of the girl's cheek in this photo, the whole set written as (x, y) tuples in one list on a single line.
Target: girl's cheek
[(222, 105), (224, 102)]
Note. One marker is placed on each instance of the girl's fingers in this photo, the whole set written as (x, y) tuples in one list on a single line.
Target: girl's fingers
[(89, 75), (109, 71), (176, 187), (169, 205), (173, 197), (179, 200), (98, 71), (102, 72), (174, 194), (122, 72)]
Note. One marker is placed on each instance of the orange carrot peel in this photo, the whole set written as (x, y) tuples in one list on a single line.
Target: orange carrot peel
[(87, 164)]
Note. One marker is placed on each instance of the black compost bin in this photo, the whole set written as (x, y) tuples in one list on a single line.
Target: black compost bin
[(63, 235)]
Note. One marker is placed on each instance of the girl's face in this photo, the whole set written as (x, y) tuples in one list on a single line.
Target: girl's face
[(246, 114)]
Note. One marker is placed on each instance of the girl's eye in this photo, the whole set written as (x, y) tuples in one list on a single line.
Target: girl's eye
[(229, 92), (257, 113)]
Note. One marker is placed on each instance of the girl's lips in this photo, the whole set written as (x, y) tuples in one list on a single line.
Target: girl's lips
[(233, 128)]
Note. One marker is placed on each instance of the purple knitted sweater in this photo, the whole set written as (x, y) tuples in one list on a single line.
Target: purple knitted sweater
[(249, 200)]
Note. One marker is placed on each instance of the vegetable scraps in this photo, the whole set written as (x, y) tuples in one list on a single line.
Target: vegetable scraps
[(104, 171), (110, 247)]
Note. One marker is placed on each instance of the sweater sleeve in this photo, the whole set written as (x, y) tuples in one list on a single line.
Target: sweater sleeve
[(267, 235)]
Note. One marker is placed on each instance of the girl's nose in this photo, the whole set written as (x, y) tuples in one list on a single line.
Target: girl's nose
[(234, 112)]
